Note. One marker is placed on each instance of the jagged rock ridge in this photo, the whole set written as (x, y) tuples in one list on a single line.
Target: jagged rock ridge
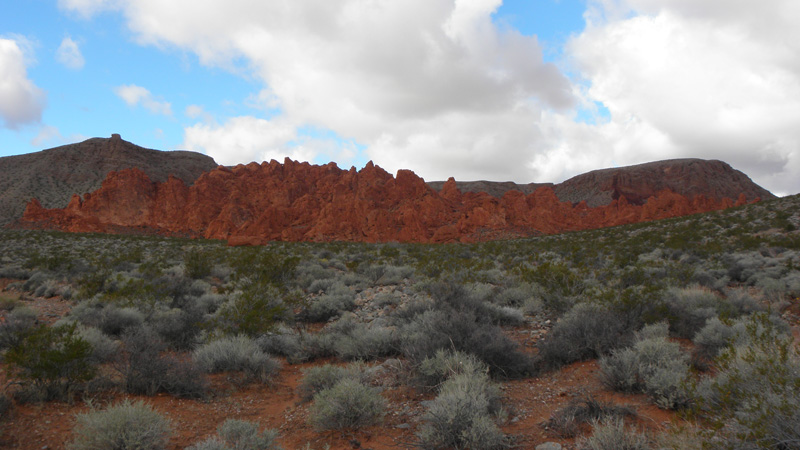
[(54, 175), (255, 203)]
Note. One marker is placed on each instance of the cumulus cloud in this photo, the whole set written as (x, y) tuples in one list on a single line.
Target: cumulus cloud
[(385, 74), (436, 86), (714, 79), (135, 95), (69, 54), (245, 139), (21, 101)]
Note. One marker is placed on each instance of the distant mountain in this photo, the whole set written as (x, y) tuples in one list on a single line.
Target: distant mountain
[(687, 177), (53, 176), (256, 203)]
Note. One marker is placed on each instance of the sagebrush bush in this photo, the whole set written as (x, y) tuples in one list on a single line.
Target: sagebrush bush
[(652, 365), (689, 309), (612, 435), (18, 322), (237, 353), (234, 434), (754, 400), (146, 370), (433, 371), (319, 378), (587, 331), (347, 404), (461, 415), (124, 426), (104, 349), (567, 422)]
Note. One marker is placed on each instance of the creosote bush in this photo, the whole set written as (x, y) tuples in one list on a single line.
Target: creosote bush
[(124, 426), (51, 361)]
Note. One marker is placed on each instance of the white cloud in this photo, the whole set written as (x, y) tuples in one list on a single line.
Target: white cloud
[(436, 86), (713, 79), (376, 71), (197, 111), (135, 95), (21, 101), (245, 139), (69, 54)]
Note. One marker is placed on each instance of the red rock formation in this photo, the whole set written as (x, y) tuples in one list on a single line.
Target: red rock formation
[(256, 203)]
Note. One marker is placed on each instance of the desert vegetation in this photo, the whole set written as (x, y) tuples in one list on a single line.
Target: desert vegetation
[(415, 345)]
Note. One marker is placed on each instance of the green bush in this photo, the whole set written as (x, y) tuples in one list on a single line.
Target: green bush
[(125, 426), (237, 434), (51, 361), (348, 404), (237, 353), (253, 311)]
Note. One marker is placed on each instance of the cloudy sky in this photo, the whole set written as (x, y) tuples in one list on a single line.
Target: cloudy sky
[(522, 90)]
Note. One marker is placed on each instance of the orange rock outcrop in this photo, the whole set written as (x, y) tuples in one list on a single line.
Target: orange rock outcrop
[(256, 203)]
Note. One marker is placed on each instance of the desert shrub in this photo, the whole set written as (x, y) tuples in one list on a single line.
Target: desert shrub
[(18, 322), (568, 421), (237, 434), (652, 365), (587, 331), (197, 263), (754, 400), (612, 435), (145, 370), (238, 353), (433, 371), (178, 327), (461, 415), (689, 309), (114, 321), (51, 361), (434, 330), (124, 426), (104, 349), (347, 404), (252, 311), (319, 378), (333, 303), (352, 340)]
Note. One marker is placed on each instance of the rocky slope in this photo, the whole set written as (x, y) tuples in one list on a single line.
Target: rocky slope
[(293, 201), (54, 175), (688, 177)]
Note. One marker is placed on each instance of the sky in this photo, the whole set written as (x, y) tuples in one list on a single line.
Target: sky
[(503, 90)]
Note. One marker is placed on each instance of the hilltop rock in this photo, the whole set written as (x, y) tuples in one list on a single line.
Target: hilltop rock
[(54, 175), (687, 177), (257, 203)]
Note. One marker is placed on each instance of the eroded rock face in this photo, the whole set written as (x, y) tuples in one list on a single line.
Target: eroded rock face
[(256, 203)]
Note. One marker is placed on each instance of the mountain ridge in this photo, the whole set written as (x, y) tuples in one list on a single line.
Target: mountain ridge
[(54, 175)]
